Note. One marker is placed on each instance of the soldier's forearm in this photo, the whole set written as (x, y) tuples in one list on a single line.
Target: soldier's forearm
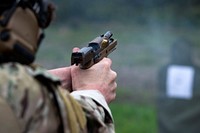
[(96, 113)]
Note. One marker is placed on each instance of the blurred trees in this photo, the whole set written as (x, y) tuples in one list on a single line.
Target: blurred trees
[(184, 12)]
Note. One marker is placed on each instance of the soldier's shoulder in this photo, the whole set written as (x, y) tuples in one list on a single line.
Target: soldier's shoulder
[(24, 72), (27, 97)]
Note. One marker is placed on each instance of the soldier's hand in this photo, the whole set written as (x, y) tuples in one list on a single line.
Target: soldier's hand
[(64, 73), (99, 77)]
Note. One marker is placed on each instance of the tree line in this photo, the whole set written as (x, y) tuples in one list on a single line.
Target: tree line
[(140, 11)]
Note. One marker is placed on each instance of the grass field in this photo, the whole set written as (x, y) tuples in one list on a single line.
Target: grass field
[(133, 118)]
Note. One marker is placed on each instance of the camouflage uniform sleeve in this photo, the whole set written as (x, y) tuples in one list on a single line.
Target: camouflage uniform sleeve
[(99, 116)]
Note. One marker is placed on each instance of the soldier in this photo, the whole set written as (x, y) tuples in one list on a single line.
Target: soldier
[(35, 100)]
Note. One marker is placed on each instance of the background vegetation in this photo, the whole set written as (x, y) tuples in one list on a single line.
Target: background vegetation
[(145, 29)]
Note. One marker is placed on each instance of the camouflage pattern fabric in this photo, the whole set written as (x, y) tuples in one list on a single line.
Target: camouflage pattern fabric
[(32, 101)]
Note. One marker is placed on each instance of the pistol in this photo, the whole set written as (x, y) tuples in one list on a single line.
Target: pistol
[(96, 50)]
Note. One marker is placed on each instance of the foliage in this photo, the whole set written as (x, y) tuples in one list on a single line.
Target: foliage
[(141, 11)]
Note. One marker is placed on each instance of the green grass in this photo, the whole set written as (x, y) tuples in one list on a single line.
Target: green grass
[(132, 118)]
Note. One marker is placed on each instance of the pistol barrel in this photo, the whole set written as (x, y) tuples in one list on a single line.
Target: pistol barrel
[(108, 35)]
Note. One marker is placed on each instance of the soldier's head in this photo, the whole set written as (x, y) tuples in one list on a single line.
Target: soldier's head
[(21, 28)]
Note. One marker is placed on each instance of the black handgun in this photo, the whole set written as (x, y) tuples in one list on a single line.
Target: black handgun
[(96, 50)]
